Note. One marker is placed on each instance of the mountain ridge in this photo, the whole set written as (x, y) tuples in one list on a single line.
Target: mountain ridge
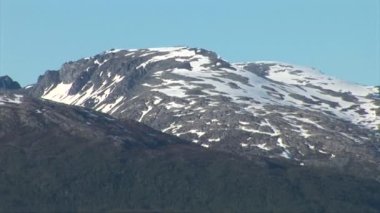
[(363, 91), (264, 108)]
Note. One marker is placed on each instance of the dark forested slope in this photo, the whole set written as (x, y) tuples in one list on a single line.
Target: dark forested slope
[(59, 158)]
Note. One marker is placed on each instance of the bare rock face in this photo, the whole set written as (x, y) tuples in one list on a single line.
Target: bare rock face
[(6, 83), (262, 108)]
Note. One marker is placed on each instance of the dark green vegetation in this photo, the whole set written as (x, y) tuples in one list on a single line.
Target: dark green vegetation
[(55, 161)]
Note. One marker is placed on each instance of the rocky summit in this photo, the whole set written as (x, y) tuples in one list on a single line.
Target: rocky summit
[(261, 108), (6, 83)]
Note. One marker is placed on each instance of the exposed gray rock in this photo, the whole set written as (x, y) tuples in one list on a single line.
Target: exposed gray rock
[(264, 108)]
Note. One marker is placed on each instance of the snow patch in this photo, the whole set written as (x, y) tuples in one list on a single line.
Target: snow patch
[(145, 112), (214, 139), (285, 154), (280, 143), (171, 105), (12, 100), (243, 123), (205, 145), (197, 132), (157, 100), (262, 146), (173, 127), (244, 144)]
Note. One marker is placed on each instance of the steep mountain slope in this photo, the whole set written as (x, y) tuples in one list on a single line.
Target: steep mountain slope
[(7, 83), (263, 108), (58, 158)]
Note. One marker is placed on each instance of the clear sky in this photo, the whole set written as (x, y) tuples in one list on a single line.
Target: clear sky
[(339, 37)]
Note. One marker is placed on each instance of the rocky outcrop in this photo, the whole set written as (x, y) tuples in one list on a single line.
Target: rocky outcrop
[(6, 83)]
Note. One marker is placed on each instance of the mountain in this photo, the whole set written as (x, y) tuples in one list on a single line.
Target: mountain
[(7, 83), (262, 108), (59, 158)]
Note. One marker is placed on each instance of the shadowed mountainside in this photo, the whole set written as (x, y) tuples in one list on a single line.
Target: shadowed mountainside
[(61, 158)]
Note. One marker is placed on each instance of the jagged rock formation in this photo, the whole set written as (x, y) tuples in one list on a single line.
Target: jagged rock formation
[(6, 83)]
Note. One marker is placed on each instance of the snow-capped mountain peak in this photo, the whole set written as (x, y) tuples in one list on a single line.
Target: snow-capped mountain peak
[(268, 108)]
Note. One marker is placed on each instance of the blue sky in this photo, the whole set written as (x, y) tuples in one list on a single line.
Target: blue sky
[(339, 37)]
